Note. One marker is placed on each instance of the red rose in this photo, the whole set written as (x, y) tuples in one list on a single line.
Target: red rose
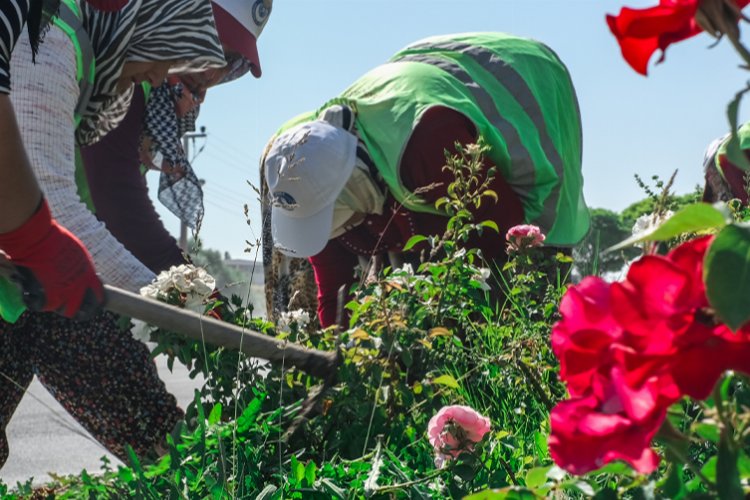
[(586, 434), (660, 296), (629, 350), (704, 353), (640, 32), (582, 338)]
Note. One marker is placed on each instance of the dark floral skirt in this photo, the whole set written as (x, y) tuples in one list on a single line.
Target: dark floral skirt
[(98, 372)]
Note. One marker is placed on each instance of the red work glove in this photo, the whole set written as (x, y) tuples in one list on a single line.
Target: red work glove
[(52, 267), (107, 5)]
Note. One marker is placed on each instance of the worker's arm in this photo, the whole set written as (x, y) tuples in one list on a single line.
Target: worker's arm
[(333, 268), (52, 267), (44, 97), (19, 192), (120, 194)]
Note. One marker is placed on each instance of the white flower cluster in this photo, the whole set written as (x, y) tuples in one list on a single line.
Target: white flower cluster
[(194, 283), (649, 222), (481, 277), (287, 319)]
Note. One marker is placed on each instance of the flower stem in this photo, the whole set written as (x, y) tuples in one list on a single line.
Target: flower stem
[(409, 484), (690, 465), (508, 470), (741, 49), (536, 384)]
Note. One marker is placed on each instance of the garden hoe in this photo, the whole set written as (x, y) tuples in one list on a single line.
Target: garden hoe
[(209, 330)]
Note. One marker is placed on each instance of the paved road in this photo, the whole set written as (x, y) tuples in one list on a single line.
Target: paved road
[(43, 438)]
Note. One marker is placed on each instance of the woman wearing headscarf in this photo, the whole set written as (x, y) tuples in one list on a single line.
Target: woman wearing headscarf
[(150, 135), (28, 234), (99, 373)]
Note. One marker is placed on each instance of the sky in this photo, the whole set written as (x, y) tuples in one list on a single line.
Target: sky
[(311, 50)]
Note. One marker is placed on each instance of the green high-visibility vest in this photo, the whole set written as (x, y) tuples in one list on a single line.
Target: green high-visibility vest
[(519, 96), (69, 20)]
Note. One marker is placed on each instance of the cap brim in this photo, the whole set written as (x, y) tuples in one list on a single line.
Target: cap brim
[(237, 38), (301, 237)]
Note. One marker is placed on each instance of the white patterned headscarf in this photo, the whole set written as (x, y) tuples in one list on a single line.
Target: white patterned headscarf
[(143, 30)]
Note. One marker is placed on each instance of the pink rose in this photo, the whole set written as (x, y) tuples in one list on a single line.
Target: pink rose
[(524, 236), (455, 429)]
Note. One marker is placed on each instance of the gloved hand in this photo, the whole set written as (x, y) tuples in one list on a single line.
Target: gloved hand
[(52, 267)]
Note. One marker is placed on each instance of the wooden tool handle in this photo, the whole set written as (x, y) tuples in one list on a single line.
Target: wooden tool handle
[(211, 331)]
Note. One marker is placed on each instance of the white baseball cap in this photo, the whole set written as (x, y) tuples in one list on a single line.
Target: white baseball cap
[(306, 169), (239, 24)]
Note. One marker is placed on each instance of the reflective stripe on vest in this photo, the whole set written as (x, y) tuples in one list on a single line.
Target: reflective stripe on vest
[(443, 52), (69, 21)]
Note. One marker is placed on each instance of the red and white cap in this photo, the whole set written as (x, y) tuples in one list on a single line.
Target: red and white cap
[(240, 23)]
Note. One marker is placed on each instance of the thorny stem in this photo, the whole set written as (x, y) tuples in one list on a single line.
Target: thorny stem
[(536, 384), (508, 470), (741, 49), (409, 484), (690, 465), (382, 375), (719, 404)]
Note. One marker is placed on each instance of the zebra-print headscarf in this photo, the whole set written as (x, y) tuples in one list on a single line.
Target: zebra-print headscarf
[(143, 30)]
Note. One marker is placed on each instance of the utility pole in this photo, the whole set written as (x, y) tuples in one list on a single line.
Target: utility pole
[(186, 147)]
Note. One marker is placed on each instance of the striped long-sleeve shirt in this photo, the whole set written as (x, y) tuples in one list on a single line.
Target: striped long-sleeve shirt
[(12, 19)]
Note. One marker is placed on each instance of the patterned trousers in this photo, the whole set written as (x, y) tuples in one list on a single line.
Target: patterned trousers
[(99, 373)]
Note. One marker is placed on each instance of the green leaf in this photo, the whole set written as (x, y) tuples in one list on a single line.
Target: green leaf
[(446, 380), (615, 468), (709, 432), (413, 241), (215, 414), (674, 485), (727, 275), (689, 219), (267, 492), (727, 475), (509, 493), (578, 485), (556, 473), (371, 484), (465, 471), (332, 488), (606, 494), (709, 469), (537, 476), (490, 224), (298, 470), (310, 473), (743, 465), (733, 150)]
